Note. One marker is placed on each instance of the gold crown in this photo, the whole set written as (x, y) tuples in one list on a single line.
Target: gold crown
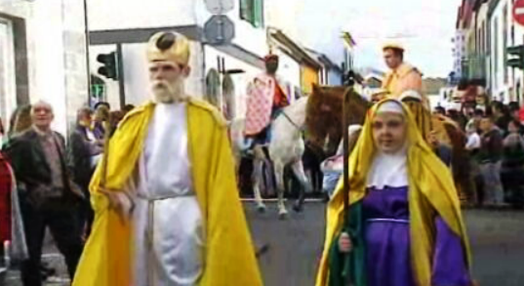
[(168, 46)]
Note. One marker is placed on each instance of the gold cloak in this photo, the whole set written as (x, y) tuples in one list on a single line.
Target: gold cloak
[(229, 251), (431, 191)]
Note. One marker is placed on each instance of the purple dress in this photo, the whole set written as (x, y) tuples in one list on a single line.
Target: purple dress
[(387, 236)]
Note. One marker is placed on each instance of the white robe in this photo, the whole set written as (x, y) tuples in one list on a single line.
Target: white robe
[(166, 206)]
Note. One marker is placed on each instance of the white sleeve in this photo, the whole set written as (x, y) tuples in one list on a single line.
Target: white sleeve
[(470, 143), (473, 141), (477, 142)]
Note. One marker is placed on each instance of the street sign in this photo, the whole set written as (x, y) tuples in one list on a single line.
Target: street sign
[(219, 7), (219, 30), (518, 12)]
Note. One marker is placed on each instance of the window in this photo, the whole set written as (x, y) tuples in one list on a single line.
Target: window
[(252, 11), (7, 71)]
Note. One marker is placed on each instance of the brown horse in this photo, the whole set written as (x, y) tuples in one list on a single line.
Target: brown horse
[(324, 125), (324, 116)]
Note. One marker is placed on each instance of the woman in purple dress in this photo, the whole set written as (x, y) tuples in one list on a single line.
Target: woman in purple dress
[(404, 227)]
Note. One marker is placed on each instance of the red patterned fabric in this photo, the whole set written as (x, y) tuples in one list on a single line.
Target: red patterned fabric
[(280, 99), (259, 104), (5, 200)]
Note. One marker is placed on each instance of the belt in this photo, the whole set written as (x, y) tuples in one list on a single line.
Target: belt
[(150, 234), (395, 220), (165, 197)]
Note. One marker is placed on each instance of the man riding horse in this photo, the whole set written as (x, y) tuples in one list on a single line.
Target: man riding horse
[(266, 98), (402, 76)]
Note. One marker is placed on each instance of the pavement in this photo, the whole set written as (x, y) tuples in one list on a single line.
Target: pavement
[(294, 246)]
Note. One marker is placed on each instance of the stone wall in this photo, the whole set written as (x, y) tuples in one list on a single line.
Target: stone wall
[(50, 54)]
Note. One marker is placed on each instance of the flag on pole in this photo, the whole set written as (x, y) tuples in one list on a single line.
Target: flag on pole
[(348, 39)]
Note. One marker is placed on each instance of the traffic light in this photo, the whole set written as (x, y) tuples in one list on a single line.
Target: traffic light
[(518, 60), (109, 67)]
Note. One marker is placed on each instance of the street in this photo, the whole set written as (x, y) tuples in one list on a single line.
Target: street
[(295, 245)]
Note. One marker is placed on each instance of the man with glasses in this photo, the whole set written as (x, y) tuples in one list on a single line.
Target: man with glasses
[(48, 198)]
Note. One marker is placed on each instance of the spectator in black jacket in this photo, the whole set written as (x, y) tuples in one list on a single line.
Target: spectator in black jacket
[(83, 153), (48, 197)]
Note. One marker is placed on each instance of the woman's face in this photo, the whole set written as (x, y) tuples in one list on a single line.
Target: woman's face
[(389, 131)]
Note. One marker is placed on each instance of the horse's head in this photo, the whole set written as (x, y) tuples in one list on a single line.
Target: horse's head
[(324, 114)]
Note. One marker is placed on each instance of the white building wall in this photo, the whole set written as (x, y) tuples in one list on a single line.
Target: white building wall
[(283, 14), (128, 14), (55, 54), (496, 51), (500, 88)]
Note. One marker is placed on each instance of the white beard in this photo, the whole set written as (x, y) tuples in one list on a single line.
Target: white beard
[(165, 92)]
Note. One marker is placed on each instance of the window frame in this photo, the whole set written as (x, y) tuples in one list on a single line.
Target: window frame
[(8, 97)]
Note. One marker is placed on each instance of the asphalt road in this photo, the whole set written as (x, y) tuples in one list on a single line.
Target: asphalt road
[(295, 245)]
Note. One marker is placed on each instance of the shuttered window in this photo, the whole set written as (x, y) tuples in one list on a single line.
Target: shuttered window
[(252, 11)]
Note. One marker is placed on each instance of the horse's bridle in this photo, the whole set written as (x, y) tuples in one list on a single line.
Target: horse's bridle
[(291, 121)]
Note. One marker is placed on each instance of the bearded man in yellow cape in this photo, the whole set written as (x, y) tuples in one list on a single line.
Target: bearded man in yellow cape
[(404, 226), (167, 210)]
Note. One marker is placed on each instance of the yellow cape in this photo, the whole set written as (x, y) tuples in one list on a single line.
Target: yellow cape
[(431, 190), (230, 258), (395, 77)]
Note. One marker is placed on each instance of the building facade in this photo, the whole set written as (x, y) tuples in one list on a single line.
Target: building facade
[(43, 57), (490, 29), (220, 74)]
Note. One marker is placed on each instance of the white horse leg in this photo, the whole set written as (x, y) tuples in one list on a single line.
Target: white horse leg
[(298, 171), (279, 175), (258, 163)]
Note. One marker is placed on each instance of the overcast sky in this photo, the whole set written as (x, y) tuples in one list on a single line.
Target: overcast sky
[(424, 27)]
